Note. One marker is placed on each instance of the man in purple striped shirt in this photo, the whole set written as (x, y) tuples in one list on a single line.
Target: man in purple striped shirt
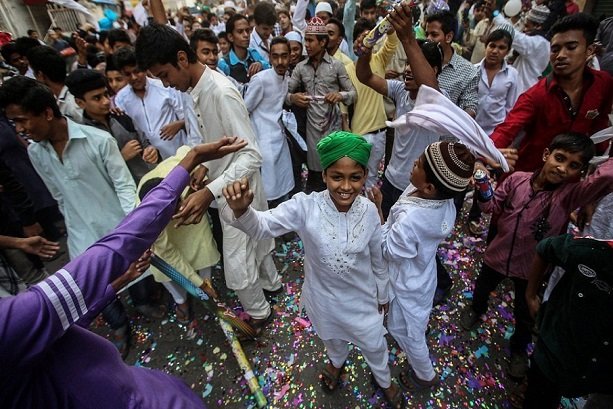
[(47, 356)]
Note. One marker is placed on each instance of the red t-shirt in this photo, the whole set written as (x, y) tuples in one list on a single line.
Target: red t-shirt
[(544, 112)]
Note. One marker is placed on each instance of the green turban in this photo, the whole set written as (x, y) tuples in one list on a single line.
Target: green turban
[(340, 144)]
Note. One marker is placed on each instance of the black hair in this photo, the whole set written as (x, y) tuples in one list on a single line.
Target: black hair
[(222, 34), (579, 21), (250, 19), (102, 36), (446, 19), (25, 44), (32, 96), (124, 57), (118, 35), (339, 24), (500, 34), (159, 44), (82, 81), (279, 40), (574, 142), (47, 60), (433, 53), (284, 11), (9, 49), (265, 13), (232, 22), (202, 34), (30, 31), (479, 4), (148, 186), (362, 25), (367, 4), (110, 65)]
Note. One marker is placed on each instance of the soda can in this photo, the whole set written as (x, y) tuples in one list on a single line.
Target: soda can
[(484, 187)]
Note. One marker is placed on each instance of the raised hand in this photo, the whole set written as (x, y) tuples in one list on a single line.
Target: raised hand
[(239, 196), (193, 207)]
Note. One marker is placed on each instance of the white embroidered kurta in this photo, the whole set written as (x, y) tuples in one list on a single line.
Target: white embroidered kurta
[(221, 111), (344, 275), (264, 100), (414, 229), (92, 184)]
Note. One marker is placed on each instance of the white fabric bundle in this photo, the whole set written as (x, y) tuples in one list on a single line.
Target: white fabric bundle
[(435, 112)]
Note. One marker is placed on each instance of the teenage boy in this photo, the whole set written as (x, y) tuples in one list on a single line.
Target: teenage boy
[(17, 59), (369, 113), (90, 92), (242, 62), (531, 46), (265, 17), (248, 266), (573, 98), (325, 83), (368, 10), (82, 168), (159, 113), (204, 43), (264, 100), (50, 69), (459, 77)]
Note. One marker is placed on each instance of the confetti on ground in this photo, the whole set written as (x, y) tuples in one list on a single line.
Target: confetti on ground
[(287, 360)]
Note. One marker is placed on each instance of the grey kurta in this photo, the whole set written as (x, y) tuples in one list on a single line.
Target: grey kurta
[(322, 118)]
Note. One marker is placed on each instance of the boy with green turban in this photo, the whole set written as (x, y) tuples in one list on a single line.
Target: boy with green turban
[(345, 291)]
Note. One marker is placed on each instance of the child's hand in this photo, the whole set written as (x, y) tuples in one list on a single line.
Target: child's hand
[(239, 196), (375, 196), (150, 154), (384, 308)]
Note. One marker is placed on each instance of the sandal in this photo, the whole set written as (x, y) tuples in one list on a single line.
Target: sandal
[(397, 401), (258, 326), (183, 314), (409, 380), (329, 381)]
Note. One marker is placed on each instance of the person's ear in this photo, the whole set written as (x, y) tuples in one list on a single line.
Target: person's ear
[(429, 189), (323, 175), (80, 102), (591, 51), (49, 114), (182, 60), (546, 154), (449, 37)]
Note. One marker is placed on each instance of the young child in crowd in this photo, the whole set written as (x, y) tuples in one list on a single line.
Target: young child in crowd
[(345, 291), (114, 78), (91, 95), (528, 207), (419, 221)]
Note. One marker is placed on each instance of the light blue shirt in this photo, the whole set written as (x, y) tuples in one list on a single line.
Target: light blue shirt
[(254, 54), (91, 183), (496, 100)]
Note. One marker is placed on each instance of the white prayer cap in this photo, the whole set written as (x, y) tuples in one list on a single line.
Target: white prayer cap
[(229, 4), (294, 36), (512, 8), (323, 6)]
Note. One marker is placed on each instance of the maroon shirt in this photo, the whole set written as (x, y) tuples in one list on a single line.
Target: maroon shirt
[(544, 111)]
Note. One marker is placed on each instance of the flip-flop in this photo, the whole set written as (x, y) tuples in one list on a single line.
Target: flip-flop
[(409, 380), (395, 402), (258, 327), (330, 382)]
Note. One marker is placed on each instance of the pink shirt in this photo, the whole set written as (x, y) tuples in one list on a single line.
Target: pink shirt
[(523, 217)]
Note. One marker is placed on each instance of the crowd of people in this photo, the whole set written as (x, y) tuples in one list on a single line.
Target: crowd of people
[(125, 140)]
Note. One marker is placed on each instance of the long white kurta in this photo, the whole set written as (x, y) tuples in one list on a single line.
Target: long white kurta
[(414, 229), (344, 274), (264, 100), (221, 111)]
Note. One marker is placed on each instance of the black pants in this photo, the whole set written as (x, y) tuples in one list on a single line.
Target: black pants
[(217, 230), (390, 196), (541, 393), (487, 281)]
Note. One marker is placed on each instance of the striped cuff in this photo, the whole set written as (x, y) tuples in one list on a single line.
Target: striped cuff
[(65, 296)]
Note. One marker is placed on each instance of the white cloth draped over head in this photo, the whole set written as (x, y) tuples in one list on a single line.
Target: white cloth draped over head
[(599, 137), (435, 112)]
